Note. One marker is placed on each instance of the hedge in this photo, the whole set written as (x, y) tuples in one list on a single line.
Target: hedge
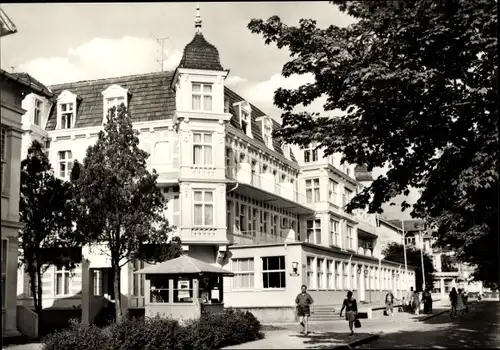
[(210, 331)]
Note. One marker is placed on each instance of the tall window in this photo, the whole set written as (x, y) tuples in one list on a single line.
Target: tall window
[(98, 282), (320, 273), (5, 246), (138, 280), (243, 273), (65, 164), (62, 281), (4, 139), (345, 279), (202, 97), (203, 208), (114, 102), (353, 277), (349, 239), (329, 274), (67, 115), (337, 275), (267, 132), (314, 231), (310, 273), (312, 190), (202, 149), (332, 191), (347, 196), (310, 153), (245, 121), (273, 272), (37, 112), (334, 232)]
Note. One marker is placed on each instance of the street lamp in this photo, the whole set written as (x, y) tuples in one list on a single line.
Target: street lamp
[(295, 268)]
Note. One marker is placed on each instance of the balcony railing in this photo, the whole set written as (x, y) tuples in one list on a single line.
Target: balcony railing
[(243, 173), (257, 237)]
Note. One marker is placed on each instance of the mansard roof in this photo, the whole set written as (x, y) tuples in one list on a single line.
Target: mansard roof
[(150, 98), (200, 54)]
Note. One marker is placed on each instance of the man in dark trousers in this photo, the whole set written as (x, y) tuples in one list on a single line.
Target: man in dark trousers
[(304, 303)]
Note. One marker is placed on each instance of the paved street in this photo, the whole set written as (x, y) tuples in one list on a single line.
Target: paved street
[(327, 335), (480, 328)]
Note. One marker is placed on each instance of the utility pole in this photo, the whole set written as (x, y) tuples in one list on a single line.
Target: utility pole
[(422, 258), (161, 41)]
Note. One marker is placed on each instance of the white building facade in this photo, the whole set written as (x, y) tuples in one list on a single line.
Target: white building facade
[(271, 213)]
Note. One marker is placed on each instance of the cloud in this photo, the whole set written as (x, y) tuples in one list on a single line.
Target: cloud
[(235, 80), (102, 58)]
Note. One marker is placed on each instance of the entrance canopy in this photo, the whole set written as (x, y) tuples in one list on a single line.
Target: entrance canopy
[(183, 265)]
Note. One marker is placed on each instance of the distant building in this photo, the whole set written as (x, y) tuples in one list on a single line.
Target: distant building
[(271, 213)]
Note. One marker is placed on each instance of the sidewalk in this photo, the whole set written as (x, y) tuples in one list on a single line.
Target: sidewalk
[(332, 334)]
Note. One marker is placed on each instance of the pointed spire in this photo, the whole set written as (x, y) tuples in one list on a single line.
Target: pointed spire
[(197, 21)]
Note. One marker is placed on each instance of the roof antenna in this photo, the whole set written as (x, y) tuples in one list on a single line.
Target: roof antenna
[(197, 21), (162, 41)]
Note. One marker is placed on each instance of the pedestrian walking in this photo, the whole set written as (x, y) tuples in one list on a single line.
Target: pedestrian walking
[(409, 299), (304, 303), (351, 310), (416, 302), (389, 304), (427, 300), (453, 301), (460, 308)]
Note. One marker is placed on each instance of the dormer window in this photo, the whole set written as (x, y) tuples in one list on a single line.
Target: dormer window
[(286, 150), (244, 111), (66, 110), (114, 96), (67, 115), (37, 112), (114, 102), (202, 97), (245, 121), (267, 131), (311, 153)]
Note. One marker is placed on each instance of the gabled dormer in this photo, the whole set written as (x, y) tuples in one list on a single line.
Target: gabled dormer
[(266, 125), (66, 110), (244, 114), (113, 96), (286, 150)]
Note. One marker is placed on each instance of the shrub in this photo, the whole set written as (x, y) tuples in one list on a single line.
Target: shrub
[(211, 331), (147, 333), (214, 331), (76, 336)]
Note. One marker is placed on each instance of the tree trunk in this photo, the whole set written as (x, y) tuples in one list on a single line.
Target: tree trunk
[(116, 288), (39, 306)]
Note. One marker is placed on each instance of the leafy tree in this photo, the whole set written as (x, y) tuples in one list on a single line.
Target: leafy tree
[(47, 212), (120, 205), (418, 82), (395, 252), (448, 264)]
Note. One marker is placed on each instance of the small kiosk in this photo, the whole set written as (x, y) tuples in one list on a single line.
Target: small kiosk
[(183, 288)]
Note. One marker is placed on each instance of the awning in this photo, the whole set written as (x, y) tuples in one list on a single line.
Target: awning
[(183, 265)]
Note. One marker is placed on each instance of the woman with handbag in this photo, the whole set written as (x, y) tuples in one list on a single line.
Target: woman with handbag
[(351, 311)]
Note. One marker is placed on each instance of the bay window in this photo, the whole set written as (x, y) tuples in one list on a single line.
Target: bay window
[(202, 97), (202, 149), (312, 190), (203, 208), (311, 153)]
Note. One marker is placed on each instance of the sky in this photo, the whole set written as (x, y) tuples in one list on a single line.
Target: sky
[(62, 42)]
